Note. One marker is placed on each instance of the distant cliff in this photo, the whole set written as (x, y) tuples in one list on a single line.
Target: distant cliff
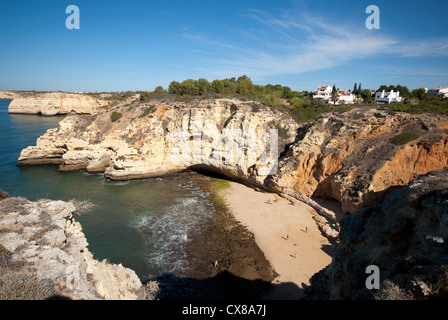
[(53, 103), (405, 236)]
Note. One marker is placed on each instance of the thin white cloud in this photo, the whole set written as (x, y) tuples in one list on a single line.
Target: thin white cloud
[(414, 72), (297, 44), (422, 48)]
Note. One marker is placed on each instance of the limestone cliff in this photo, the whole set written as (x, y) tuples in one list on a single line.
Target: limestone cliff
[(54, 103), (159, 137), (352, 157), (43, 241), (405, 236)]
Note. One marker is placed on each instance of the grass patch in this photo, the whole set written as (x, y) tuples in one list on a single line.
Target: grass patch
[(24, 286), (390, 291), (404, 138), (217, 186), (221, 184), (115, 116)]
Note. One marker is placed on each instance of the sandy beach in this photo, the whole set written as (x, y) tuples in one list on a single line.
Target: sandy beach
[(287, 234)]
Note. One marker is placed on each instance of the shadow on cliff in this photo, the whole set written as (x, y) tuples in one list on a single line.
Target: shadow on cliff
[(223, 286)]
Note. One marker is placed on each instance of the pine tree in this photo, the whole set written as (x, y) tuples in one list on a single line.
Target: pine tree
[(334, 94)]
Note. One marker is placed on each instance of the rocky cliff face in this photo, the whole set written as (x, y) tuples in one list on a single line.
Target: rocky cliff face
[(405, 236), (43, 241), (54, 103), (158, 138), (353, 157)]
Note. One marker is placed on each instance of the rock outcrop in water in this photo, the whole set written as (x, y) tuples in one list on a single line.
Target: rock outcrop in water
[(43, 249), (405, 236), (53, 103)]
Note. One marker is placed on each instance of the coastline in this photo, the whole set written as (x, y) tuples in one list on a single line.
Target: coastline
[(286, 233)]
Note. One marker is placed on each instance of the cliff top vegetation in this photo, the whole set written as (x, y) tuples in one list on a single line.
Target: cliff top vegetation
[(300, 105)]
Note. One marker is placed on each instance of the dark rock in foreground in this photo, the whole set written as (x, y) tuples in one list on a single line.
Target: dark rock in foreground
[(405, 236)]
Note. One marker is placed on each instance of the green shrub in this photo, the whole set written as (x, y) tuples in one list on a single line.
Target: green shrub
[(120, 96), (404, 138), (147, 111), (229, 119), (255, 107), (145, 96), (115, 116)]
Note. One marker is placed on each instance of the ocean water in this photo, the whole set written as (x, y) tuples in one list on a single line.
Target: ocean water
[(145, 225)]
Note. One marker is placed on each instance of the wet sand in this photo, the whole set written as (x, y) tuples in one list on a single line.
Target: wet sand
[(242, 270), (287, 235)]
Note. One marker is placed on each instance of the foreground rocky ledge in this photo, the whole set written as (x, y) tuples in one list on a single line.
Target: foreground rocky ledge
[(43, 247)]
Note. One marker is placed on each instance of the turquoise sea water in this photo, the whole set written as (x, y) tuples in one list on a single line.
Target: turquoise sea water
[(144, 225)]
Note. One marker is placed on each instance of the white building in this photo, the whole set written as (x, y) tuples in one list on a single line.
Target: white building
[(346, 97), (323, 92), (388, 97), (436, 91)]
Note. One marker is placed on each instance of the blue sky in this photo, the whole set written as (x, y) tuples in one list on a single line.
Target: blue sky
[(138, 45)]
